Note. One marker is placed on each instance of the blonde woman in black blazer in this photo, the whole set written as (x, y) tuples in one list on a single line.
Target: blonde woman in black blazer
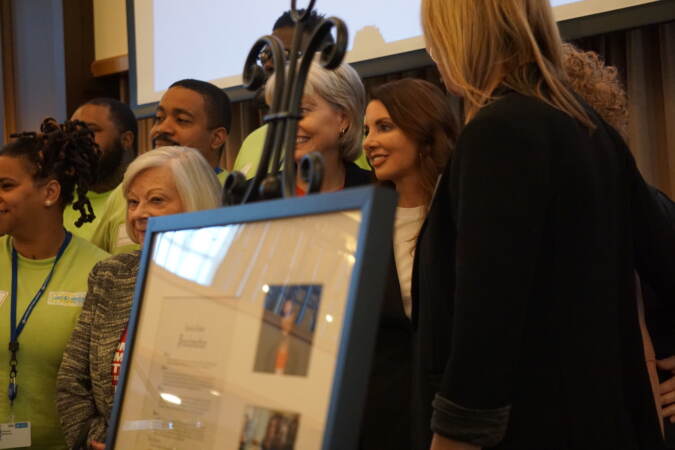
[(523, 286)]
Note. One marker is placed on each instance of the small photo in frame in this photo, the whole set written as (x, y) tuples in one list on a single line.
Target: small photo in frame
[(268, 429), (287, 330)]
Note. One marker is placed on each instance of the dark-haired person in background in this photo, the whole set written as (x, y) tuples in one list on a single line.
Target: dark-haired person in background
[(284, 28), (191, 113), (115, 128), (43, 265), (194, 113)]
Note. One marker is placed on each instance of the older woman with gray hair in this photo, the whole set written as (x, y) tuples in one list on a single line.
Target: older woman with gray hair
[(332, 111), (168, 180)]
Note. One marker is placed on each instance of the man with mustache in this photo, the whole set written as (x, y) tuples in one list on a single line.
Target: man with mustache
[(115, 128), (195, 114), (191, 113)]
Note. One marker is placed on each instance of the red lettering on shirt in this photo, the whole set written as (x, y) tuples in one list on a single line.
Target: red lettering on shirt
[(117, 358)]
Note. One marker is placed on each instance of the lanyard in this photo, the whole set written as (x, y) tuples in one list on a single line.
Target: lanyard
[(15, 330)]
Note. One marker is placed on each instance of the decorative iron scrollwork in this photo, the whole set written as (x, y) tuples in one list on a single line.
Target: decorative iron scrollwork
[(283, 117)]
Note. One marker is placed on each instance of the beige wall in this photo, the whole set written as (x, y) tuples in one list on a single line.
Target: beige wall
[(110, 28)]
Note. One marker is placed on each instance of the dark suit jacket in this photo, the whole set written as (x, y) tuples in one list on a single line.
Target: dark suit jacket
[(386, 420), (523, 287), (659, 313)]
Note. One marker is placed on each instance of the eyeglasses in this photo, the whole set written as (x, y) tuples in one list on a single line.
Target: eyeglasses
[(265, 55)]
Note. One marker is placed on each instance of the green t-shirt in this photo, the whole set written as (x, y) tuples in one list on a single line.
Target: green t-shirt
[(222, 176), (45, 335), (86, 231), (111, 235), (251, 150)]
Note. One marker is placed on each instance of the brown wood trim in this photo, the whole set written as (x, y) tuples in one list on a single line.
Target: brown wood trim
[(8, 80), (110, 66)]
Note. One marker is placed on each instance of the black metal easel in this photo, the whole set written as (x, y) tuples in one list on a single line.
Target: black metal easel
[(270, 181)]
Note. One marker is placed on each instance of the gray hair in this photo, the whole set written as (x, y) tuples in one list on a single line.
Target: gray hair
[(343, 90), (195, 179)]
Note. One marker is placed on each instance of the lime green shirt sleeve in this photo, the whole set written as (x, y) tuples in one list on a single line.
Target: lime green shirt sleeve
[(45, 335), (111, 235), (362, 161), (87, 230), (222, 176), (250, 151)]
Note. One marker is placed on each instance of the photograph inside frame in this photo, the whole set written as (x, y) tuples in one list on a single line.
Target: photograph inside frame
[(237, 340)]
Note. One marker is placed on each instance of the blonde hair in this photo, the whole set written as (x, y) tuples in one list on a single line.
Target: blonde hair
[(195, 179), (599, 85), (480, 44), (343, 90)]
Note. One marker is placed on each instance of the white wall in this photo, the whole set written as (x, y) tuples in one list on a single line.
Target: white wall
[(110, 28)]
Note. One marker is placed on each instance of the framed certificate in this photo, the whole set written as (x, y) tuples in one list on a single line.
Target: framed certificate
[(253, 326)]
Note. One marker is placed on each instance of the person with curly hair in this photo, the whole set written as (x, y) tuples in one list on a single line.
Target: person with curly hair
[(115, 129), (598, 84), (43, 268)]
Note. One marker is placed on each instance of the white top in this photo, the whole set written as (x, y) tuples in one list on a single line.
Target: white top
[(406, 228)]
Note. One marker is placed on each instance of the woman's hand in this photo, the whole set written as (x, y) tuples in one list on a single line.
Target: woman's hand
[(667, 388), (95, 445), (442, 443)]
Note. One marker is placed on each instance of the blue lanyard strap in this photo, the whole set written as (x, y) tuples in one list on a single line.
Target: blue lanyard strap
[(15, 331)]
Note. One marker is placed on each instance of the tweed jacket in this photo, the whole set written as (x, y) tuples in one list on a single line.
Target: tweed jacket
[(84, 390)]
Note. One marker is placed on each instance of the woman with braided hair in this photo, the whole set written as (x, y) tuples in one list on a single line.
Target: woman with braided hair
[(43, 271)]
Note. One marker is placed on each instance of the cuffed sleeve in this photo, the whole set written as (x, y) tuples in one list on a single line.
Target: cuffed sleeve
[(501, 184), (481, 427)]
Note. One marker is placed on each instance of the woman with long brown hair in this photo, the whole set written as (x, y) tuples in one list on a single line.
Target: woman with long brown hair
[(528, 333), (410, 133)]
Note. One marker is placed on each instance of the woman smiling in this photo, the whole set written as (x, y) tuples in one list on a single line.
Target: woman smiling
[(168, 180), (410, 133), (43, 269), (332, 125)]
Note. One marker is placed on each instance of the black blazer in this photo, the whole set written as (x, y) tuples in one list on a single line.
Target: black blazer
[(387, 418), (659, 313), (523, 289)]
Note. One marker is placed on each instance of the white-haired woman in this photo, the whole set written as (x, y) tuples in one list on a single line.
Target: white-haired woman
[(168, 180), (332, 111)]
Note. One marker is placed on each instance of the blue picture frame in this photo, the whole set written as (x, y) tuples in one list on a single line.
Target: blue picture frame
[(373, 255)]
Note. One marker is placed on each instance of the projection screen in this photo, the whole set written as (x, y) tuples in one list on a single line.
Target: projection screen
[(209, 39)]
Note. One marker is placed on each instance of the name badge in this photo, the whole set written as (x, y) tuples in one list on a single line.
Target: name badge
[(73, 299), (15, 435), (3, 297)]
